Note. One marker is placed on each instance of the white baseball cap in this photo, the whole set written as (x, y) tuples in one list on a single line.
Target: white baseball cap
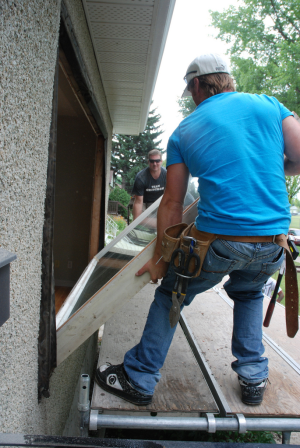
[(205, 64)]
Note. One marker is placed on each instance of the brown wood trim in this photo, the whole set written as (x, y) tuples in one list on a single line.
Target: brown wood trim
[(65, 66), (97, 195), (47, 330)]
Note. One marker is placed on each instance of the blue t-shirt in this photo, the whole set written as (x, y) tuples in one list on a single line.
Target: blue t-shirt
[(233, 143)]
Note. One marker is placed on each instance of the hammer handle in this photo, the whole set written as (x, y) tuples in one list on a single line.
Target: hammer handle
[(272, 302)]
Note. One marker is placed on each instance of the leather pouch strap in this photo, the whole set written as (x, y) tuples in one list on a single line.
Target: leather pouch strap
[(291, 284), (204, 240), (291, 289), (171, 240)]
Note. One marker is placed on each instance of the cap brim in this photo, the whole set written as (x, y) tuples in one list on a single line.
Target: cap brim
[(186, 93)]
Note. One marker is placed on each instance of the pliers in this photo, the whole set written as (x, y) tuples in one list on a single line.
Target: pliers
[(183, 275)]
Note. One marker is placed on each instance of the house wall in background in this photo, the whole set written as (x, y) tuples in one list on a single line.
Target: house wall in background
[(29, 33)]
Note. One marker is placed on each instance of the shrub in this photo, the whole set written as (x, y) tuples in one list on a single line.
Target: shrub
[(121, 223), (120, 195)]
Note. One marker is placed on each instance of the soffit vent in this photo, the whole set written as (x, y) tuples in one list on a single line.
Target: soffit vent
[(128, 38)]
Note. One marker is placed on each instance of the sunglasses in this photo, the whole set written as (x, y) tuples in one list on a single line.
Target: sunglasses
[(154, 160), (189, 73)]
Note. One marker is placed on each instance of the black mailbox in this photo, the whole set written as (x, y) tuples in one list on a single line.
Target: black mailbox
[(5, 259)]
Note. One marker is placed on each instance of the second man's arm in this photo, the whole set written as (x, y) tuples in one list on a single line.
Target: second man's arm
[(169, 213)]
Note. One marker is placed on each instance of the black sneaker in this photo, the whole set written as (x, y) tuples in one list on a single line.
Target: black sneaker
[(115, 380), (253, 393)]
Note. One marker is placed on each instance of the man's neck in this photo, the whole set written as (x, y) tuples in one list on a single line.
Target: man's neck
[(156, 174)]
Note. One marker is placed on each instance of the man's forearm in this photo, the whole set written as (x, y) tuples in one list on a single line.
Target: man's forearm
[(137, 209), (291, 168), (169, 213)]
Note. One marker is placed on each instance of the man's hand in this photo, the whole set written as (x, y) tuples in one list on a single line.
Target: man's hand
[(280, 296), (157, 269), (169, 213)]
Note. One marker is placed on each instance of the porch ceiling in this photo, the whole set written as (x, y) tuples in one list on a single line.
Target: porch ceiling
[(128, 38)]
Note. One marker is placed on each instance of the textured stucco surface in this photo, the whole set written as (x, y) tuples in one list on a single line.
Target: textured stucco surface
[(29, 38)]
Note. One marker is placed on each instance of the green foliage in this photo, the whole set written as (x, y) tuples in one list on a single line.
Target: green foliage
[(120, 195), (130, 152), (121, 223), (265, 50), (235, 437), (186, 106), (296, 202), (258, 437), (292, 187)]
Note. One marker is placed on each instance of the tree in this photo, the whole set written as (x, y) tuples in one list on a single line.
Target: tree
[(265, 50), (292, 187), (186, 106), (120, 195), (130, 152)]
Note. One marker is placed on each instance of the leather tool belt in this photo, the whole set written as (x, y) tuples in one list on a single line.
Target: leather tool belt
[(173, 238)]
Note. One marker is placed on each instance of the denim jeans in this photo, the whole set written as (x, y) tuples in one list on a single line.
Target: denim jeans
[(248, 265)]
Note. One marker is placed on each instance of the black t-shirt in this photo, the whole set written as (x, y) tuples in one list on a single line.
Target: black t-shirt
[(151, 189)]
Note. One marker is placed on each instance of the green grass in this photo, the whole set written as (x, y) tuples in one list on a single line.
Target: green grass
[(256, 437), (295, 222)]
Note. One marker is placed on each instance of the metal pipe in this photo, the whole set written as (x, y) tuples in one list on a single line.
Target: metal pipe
[(286, 437), (84, 404), (209, 423)]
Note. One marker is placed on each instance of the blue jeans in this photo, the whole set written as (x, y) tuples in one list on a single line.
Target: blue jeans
[(248, 265)]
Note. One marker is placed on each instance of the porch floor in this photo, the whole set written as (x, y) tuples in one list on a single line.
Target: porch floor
[(183, 390)]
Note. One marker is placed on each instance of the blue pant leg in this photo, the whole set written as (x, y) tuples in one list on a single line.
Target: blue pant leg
[(142, 362), (247, 344), (245, 288)]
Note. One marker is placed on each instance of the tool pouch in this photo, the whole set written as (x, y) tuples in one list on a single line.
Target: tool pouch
[(174, 238), (204, 240), (171, 240)]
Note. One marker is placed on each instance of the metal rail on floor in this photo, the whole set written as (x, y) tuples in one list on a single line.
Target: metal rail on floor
[(215, 389), (208, 423)]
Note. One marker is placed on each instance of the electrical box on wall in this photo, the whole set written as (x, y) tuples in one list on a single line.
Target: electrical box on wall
[(6, 258)]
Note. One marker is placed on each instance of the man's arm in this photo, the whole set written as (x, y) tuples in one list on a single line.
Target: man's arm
[(137, 206), (291, 135), (169, 213)]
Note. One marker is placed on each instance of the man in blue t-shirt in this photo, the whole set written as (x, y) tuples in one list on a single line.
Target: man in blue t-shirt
[(240, 146)]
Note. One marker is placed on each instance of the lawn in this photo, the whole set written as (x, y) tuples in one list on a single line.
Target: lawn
[(295, 222)]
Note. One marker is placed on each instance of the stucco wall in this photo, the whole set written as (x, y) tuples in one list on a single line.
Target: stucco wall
[(29, 37)]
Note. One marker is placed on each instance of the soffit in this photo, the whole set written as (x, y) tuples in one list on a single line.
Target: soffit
[(128, 38)]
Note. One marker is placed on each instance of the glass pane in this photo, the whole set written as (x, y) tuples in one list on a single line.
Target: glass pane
[(113, 258)]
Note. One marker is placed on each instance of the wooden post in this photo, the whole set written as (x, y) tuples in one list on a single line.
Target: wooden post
[(97, 194)]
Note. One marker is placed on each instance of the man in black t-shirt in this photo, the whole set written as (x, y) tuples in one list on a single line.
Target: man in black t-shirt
[(149, 183)]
